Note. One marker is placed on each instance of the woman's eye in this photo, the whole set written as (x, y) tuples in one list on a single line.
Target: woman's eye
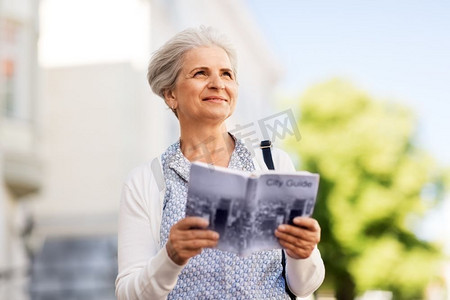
[(199, 73), (228, 74)]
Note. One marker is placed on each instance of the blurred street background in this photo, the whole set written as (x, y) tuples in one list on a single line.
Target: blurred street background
[(363, 86)]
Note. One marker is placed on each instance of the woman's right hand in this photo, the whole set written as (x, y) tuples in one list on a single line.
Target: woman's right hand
[(188, 237)]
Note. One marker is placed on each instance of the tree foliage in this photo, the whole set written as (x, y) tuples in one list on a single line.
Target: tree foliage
[(372, 177)]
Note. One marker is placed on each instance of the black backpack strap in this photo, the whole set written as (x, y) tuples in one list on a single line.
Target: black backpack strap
[(267, 154)]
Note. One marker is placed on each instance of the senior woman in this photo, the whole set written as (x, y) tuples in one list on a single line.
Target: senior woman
[(163, 254)]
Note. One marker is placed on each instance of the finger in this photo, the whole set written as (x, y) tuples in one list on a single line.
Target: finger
[(199, 234), (295, 240), (297, 252), (197, 244), (180, 249), (308, 247), (191, 222), (299, 233), (307, 223)]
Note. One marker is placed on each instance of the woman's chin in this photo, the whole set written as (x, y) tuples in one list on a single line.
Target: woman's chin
[(218, 117), (220, 113), (208, 115)]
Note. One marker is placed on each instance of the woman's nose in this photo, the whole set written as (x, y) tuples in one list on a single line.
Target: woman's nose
[(216, 82)]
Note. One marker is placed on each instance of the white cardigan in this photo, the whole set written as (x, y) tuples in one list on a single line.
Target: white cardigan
[(145, 269)]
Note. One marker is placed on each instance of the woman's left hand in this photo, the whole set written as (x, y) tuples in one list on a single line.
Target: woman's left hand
[(299, 239)]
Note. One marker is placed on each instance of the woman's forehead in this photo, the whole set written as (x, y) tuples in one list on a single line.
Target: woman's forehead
[(212, 56)]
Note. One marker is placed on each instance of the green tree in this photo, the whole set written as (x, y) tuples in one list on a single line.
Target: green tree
[(372, 178)]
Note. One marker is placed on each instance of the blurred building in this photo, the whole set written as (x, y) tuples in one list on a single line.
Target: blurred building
[(73, 129), (101, 118), (20, 156)]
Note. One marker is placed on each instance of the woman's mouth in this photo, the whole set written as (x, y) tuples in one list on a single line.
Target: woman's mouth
[(215, 99)]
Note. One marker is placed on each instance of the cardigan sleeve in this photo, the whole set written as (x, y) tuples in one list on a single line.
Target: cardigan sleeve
[(145, 270), (304, 276)]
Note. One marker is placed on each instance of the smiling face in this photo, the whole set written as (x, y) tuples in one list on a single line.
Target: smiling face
[(206, 88)]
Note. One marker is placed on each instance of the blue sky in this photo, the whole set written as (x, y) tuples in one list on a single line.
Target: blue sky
[(395, 50)]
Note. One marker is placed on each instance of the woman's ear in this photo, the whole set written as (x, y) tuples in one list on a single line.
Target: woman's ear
[(170, 99), (168, 95)]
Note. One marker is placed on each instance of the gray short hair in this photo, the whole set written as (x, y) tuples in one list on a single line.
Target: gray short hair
[(167, 61)]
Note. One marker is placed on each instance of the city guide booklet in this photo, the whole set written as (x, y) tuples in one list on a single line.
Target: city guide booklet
[(245, 208)]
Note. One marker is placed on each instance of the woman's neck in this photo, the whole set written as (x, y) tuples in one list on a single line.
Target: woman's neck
[(212, 145)]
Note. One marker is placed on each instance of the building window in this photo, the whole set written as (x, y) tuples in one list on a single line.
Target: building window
[(15, 71), (8, 87)]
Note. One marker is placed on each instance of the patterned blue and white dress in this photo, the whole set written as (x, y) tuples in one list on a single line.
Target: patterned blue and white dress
[(215, 274)]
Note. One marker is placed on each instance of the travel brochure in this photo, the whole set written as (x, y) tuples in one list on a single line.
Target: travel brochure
[(245, 208)]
